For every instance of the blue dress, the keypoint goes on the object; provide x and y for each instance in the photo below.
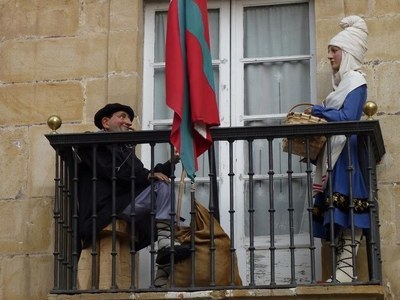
(350, 111)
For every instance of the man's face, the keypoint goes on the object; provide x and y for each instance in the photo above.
(119, 121)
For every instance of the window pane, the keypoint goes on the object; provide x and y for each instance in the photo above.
(277, 30)
(161, 111)
(160, 36)
(261, 158)
(216, 81)
(261, 166)
(213, 20)
(281, 205)
(275, 87)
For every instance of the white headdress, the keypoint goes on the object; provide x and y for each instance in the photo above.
(353, 41)
(353, 38)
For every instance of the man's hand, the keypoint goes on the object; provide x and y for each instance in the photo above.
(159, 176)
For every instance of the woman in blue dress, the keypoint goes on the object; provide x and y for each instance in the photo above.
(345, 103)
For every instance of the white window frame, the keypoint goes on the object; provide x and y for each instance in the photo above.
(231, 93)
(237, 55)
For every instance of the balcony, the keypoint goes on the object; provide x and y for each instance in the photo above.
(273, 263)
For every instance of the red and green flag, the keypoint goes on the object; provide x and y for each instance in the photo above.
(190, 85)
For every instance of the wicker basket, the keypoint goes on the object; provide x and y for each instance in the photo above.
(299, 146)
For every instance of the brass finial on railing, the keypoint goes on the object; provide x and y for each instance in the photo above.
(54, 122)
(370, 108)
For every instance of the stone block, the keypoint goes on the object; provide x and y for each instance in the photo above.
(387, 7)
(121, 88)
(388, 168)
(96, 97)
(37, 18)
(396, 193)
(37, 219)
(23, 104)
(53, 59)
(370, 72)
(127, 90)
(116, 15)
(26, 277)
(13, 68)
(389, 209)
(74, 128)
(42, 162)
(383, 35)
(126, 15)
(387, 93)
(325, 30)
(388, 193)
(26, 226)
(359, 7)
(12, 229)
(329, 9)
(95, 16)
(391, 266)
(14, 147)
(123, 52)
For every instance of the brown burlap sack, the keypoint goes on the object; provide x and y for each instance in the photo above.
(202, 254)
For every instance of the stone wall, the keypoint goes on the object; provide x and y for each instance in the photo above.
(71, 57)
(56, 57)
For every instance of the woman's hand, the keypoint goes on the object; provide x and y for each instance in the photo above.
(308, 111)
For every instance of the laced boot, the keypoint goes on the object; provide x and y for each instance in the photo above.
(164, 245)
(162, 276)
(344, 256)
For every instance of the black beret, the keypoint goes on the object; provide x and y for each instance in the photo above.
(109, 110)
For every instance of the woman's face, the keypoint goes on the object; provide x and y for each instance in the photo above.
(335, 57)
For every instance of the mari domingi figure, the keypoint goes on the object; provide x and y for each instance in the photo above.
(346, 52)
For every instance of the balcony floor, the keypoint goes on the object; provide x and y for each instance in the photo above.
(320, 292)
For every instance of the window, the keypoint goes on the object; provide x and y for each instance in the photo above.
(264, 64)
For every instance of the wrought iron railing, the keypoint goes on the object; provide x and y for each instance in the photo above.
(67, 246)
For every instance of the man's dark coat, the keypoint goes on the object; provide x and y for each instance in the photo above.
(125, 159)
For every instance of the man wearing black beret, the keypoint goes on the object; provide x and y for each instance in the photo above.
(116, 117)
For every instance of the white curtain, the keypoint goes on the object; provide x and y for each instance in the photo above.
(273, 31)
(271, 88)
